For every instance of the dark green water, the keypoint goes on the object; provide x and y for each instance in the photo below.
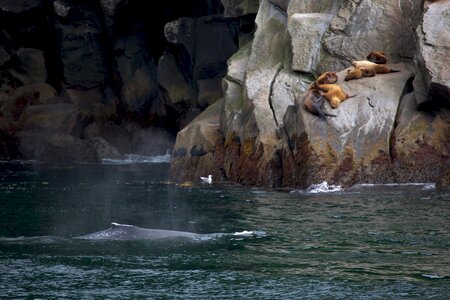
(364, 243)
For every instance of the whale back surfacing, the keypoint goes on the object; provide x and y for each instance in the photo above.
(131, 232)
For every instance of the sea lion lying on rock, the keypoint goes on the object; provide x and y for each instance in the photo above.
(373, 67)
(314, 102)
(377, 57)
(333, 93)
(358, 73)
(327, 77)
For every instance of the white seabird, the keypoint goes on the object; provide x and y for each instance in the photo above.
(207, 179)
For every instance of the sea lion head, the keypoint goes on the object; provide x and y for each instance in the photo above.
(334, 102)
(327, 78)
(355, 73)
(317, 96)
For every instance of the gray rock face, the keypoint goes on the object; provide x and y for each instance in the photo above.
(319, 6)
(433, 51)
(364, 26)
(306, 31)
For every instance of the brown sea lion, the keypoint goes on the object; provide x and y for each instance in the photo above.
(358, 73)
(333, 93)
(327, 77)
(355, 73)
(379, 69)
(314, 102)
(377, 57)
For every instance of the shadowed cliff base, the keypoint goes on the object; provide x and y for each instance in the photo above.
(129, 73)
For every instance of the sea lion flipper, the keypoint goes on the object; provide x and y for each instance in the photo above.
(393, 71)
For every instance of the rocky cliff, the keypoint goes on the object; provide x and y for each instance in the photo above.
(395, 129)
(84, 80)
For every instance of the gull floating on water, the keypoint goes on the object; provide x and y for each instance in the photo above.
(207, 179)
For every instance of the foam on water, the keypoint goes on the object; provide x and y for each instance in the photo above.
(138, 159)
(323, 187)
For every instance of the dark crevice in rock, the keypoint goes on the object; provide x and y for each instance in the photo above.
(272, 82)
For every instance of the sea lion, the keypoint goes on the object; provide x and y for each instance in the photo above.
(314, 102)
(327, 77)
(377, 57)
(355, 73)
(369, 72)
(359, 72)
(378, 69)
(333, 93)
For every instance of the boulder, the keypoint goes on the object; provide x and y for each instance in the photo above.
(432, 56)
(55, 147)
(199, 147)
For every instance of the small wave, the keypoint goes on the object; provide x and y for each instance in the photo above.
(423, 185)
(323, 187)
(139, 159)
(432, 276)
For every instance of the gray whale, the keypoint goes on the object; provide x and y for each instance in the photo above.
(131, 232)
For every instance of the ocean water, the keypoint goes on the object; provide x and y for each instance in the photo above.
(366, 242)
